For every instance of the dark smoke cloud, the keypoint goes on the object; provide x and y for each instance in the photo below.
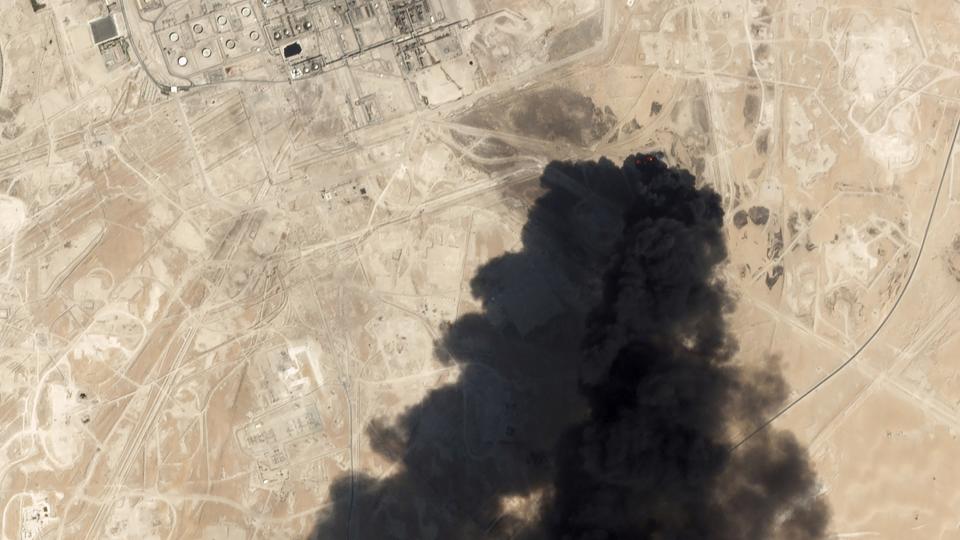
(598, 388)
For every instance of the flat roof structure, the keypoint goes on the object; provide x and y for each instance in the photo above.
(104, 29)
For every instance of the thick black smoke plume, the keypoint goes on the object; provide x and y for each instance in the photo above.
(598, 394)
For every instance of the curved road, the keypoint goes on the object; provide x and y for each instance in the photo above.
(869, 340)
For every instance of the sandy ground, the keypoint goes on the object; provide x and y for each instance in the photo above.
(215, 277)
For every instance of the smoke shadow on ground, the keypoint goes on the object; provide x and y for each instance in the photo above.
(598, 388)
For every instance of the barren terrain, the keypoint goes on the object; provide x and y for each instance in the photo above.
(223, 261)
